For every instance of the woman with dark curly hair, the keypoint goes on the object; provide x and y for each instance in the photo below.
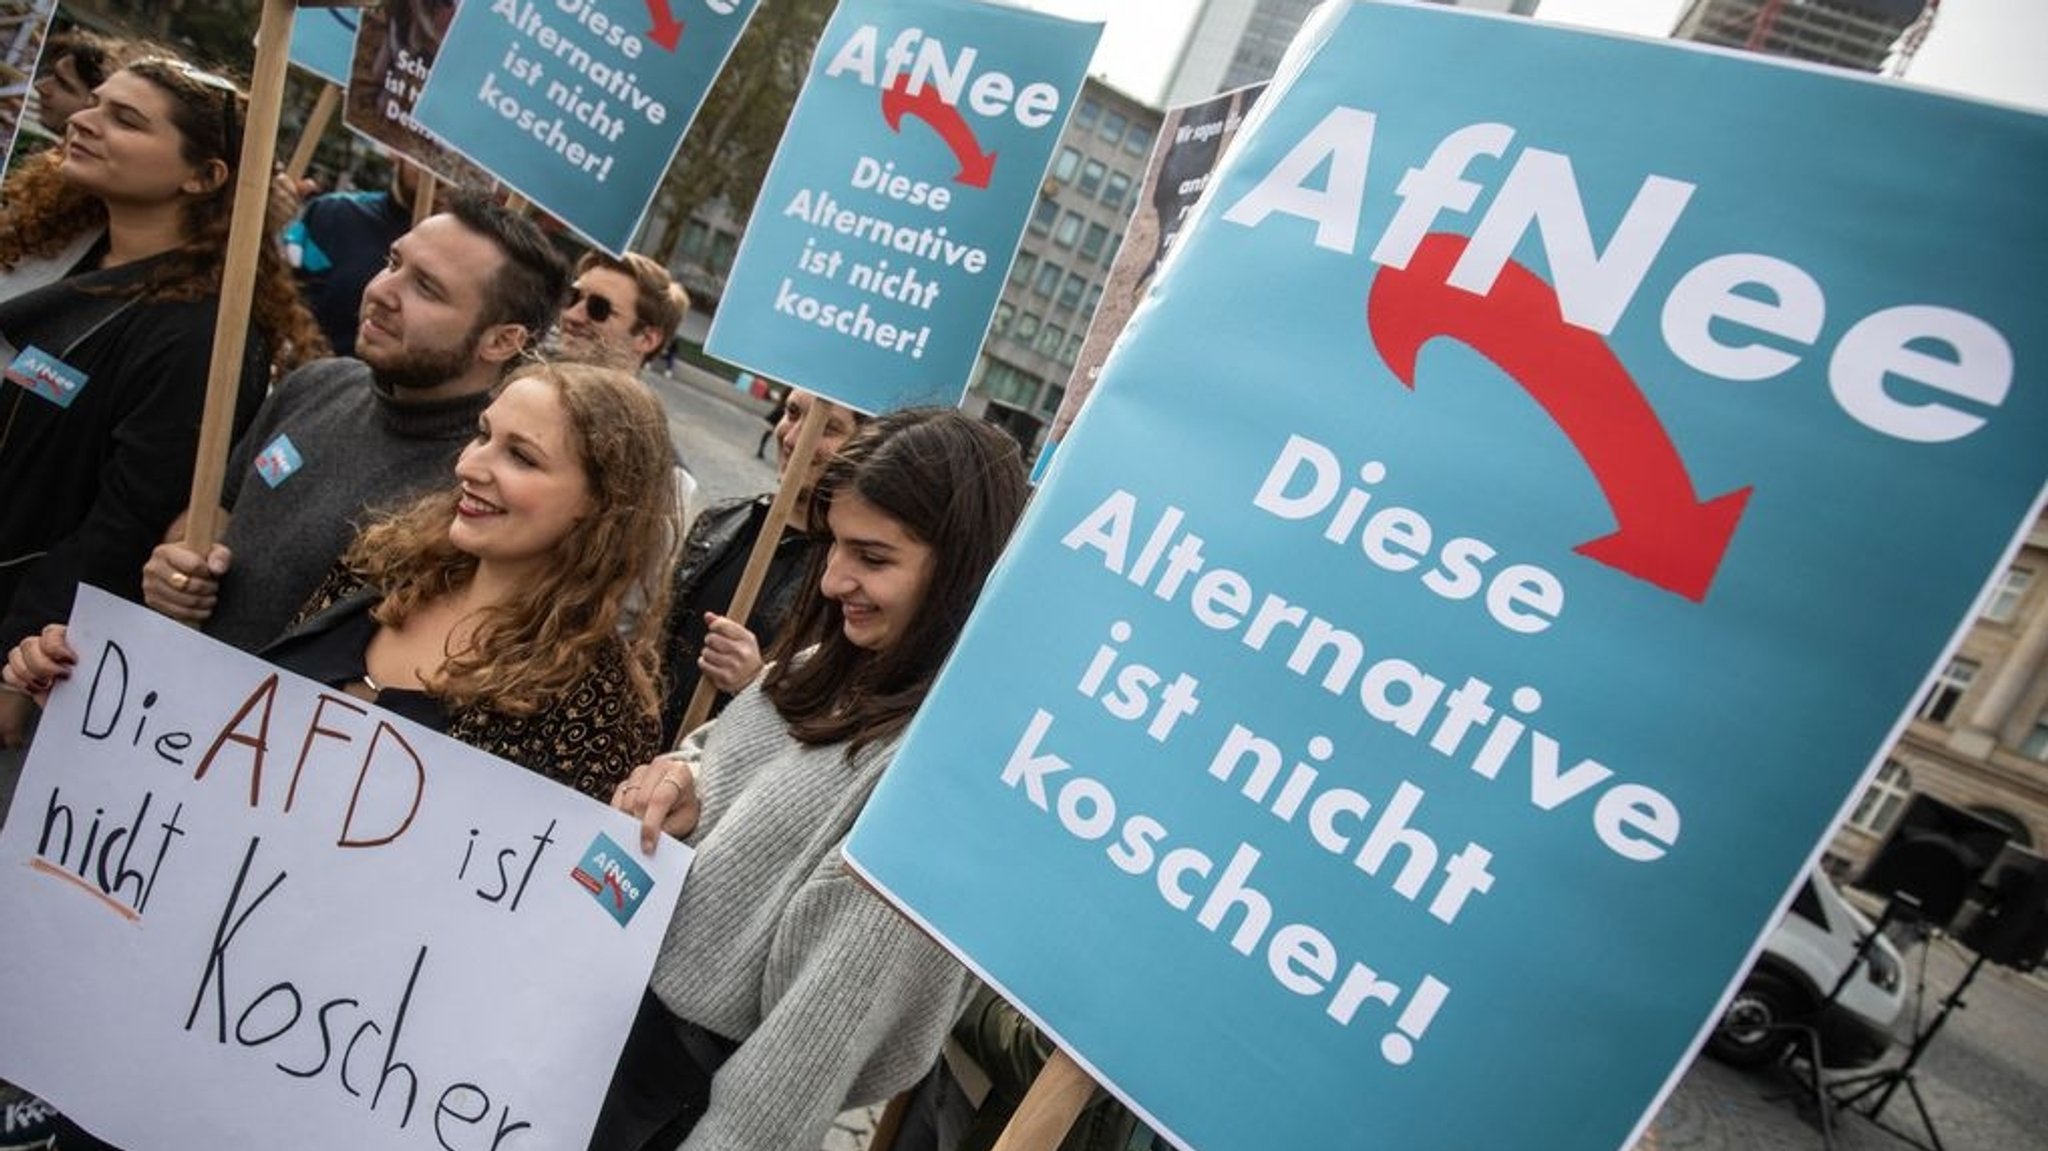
(111, 251)
(491, 610)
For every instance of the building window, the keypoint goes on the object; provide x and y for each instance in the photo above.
(1091, 178)
(1044, 214)
(1068, 231)
(1005, 316)
(1066, 165)
(1116, 189)
(1138, 140)
(1071, 289)
(1020, 272)
(2005, 598)
(1093, 298)
(1027, 327)
(1085, 115)
(1006, 384)
(1115, 242)
(1049, 339)
(1112, 128)
(1948, 690)
(1071, 351)
(2035, 745)
(1093, 240)
(696, 240)
(1882, 800)
(1048, 279)
(1054, 393)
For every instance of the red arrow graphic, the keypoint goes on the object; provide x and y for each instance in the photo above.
(1666, 535)
(976, 167)
(667, 30)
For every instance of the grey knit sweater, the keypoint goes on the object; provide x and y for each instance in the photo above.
(362, 449)
(836, 999)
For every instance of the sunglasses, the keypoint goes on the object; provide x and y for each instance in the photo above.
(597, 307)
(230, 148)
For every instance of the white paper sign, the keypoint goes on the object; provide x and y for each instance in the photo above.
(244, 910)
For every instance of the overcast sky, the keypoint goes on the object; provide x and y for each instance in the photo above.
(1988, 48)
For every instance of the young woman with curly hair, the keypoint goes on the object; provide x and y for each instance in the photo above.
(111, 250)
(491, 610)
(786, 990)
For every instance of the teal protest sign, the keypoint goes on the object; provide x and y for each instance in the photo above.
(579, 105)
(882, 234)
(1513, 523)
(324, 41)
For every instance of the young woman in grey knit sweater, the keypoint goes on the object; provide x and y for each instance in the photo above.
(785, 990)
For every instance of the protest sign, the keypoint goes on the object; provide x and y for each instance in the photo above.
(26, 23)
(579, 107)
(396, 45)
(1371, 739)
(242, 909)
(882, 233)
(324, 42)
(1192, 139)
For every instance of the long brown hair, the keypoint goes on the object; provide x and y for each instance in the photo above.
(527, 653)
(955, 484)
(43, 212)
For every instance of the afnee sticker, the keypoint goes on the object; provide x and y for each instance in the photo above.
(278, 460)
(46, 376)
(612, 878)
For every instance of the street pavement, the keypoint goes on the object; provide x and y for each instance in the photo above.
(716, 428)
(1983, 1077)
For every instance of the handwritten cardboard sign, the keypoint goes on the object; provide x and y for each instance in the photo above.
(244, 908)
(1520, 515)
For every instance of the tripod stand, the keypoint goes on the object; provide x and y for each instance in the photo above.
(1887, 1082)
(1902, 908)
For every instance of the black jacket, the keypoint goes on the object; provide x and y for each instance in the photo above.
(87, 490)
(722, 537)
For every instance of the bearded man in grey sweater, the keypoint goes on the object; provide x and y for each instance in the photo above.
(461, 297)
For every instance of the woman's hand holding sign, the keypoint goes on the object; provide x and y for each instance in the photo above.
(663, 794)
(38, 662)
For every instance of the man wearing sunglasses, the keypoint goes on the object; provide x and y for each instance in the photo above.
(622, 312)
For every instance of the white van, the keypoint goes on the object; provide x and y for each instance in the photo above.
(1801, 962)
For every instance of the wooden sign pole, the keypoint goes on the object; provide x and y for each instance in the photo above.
(1049, 1109)
(316, 126)
(423, 197)
(238, 277)
(794, 478)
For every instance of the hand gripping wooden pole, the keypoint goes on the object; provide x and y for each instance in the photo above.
(794, 477)
(238, 277)
(1049, 1109)
(316, 126)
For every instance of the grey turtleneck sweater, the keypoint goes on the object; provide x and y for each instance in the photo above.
(361, 450)
(836, 999)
